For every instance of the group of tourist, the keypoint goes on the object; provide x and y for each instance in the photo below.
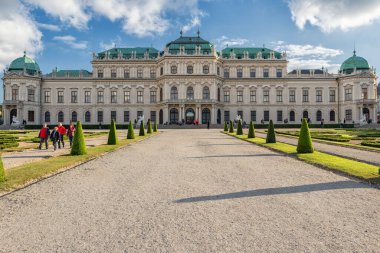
(56, 136)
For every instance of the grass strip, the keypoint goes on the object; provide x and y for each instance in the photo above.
(28, 173)
(367, 172)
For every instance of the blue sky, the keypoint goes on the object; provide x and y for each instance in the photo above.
(64, 34)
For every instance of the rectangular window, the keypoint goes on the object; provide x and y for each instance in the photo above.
(218, 71)
(319, 95)
(113, 73)
(100, 116)
(74, 96)
(113, 115)
(240, 96)
(14, 94)
(253, 115)
(161, 71)
(153, 116)
(226, 115)
(279, 96)
(279, 73)
(266, 115)
(332, 95)
(153, 96)
(266, 73)
(140, 96)
(266, 96)
(279, 116)
(348, 114)
(31, 116)
(226, 73)
(348, 94)
(100, 73)
(31, 95)
(60, 96)
(87, 96)
(252, 73)
(47, 96)
(364, 93)
(113, 97)
(152, 73)
(139, 73)
(292, 96)
(239, 73)
(127, 96)
(226, 96)
(252, 96)
(100, 96)
(126, 73)
(126, 116)
(305, 96)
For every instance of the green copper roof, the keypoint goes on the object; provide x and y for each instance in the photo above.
(252, 52)
(189, 44)
(70, 73)
(30, 66)
(127, 52)
(354, 62)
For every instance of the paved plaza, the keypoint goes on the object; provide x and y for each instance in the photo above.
(192, 191)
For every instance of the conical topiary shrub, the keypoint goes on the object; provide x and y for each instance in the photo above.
(231, 127)
(142, 129)
(112, 135)
(239, 130)
(155, 127)
(305, 145)
(2, 172)
(79, 146)
(251, 131)
(131, 131)
(149, 131)
(225, 126)
(271, 135)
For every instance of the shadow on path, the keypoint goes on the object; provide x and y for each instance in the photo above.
(221, 144)
(226, 156)
(277, 191)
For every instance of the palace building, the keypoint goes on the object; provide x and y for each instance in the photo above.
(189, 80)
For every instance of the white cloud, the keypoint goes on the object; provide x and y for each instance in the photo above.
(71, 41)
(49, 27)
(18, 32)
(224, 41)
(331, 15)
(108, 45)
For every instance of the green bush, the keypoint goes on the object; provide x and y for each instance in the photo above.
(371, 144)
(79, 146)
(9, 145)
(2, 171)
(239, 130)
(271, 135)
(305, 144)
(131, 131)
(36, 140)
(149, 131)
(142, 129)
(112, 135)
(251, 131)
(155, 127)
(225, 126)
(231, 127)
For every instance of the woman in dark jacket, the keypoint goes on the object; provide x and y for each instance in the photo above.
(55, 137)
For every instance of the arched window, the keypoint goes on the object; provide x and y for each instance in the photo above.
(174, 115)
(60, 117)
(332, 115)
(319, 115)
(173, 69)
(190, 93)
(87, 117)
(206, 93)
(174, 93)
(305, 114)
(190, 69)
(47, 116)
(206, 69)
(74, 116)
(292, 116)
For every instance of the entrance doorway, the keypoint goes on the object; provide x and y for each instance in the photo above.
(219, 117)
(190, 116)
(206, 115)
(366, 113)
(161, 117)
(13, 113)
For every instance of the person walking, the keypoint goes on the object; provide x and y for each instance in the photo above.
(44, 136)
(208, 124)
(70, 133)
(62, 133)
(55, 137)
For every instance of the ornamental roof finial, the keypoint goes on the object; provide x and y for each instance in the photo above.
(198, 32)
(354, 49)
(181, 32)
(24, 53)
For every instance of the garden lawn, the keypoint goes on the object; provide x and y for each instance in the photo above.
(357, 169)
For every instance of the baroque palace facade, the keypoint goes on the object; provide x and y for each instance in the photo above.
(189, 80)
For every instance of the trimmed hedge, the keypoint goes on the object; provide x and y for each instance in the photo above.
(231, 127)
(2, 171)
(79, 146)
(155, 128)
(112, 135)
(225, 129)
(371, 144)
(149, 131)
(142, 129)
(251, 131)
(239, 130)
(305, 144)
(131, 131)
(271, 135)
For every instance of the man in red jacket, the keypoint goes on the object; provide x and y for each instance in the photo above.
(62, 133)
(44, 136)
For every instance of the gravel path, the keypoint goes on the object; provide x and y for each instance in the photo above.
(192, 191)
(367, 156)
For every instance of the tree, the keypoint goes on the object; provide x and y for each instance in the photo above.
(131, 131)
(305, 144)
(2, 171)
(251, 131)
(239, 130)
(112, 135)
(142, 129)
(225, 126)
(231, 127)
(79, 146)
(155, 127)
(271, 135)
(149, 127)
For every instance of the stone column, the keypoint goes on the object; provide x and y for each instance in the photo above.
(213, 114)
